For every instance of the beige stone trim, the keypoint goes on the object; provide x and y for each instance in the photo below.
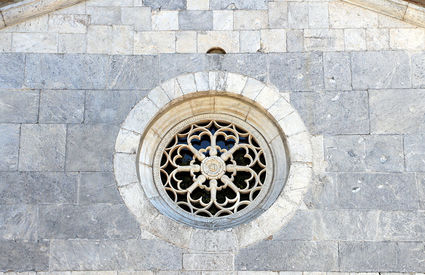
(24, 10)
(401, 10)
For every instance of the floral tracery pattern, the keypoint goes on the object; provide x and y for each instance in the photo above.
(213, 168)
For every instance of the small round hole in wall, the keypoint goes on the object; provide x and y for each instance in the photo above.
(216, 50)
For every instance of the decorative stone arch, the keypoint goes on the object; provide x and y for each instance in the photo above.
(135, 184)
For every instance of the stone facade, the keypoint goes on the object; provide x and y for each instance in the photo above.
(68, 79)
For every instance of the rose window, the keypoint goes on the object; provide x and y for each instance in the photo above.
(213, 168)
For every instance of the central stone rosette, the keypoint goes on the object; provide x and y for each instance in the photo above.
(212, 168)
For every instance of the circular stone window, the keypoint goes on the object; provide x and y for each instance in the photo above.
(213, 150)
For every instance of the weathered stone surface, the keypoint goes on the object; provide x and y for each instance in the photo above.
(110, 106)
(250, 41)
(397, 111)
(296, 71)
(253, 65)
(333, 112)
(355, 39)
(322, 193)
(196, 20)
(140, 17)
(238, 4)
(377, 191)
(42, 147)
(384, 153)
(402, 225)
(420, 180)
(18, 222)
(418, 70)
(96, 221)
(104, 15)
(300, 227)
(154, 42)
(114, 255)
(165, 20)
(250, 19)
(380, 70)
(71, 71)
(411, 256)
(133, 72)
(289, 255)
(295, 40)
(12, 70)
(172, 65)
(343, 15)
(9, 144)
(18, 106)
(61, 106)
(414, 147)
(210, 261)
(97, 187)
(69, 23)
(166, 4)
(273, 41)
(35, 42)
(278, 15)
(368, 256)
(337, 70)
(186, 42)
(95, 143)
(227, 40)
(377, 39)
(298, 15)
(222, 20)
(71, 43)
(38, 188)
(407, 39)
(324, 39)
(318, 16)
(24, 256)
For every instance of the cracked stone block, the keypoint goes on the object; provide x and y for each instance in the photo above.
(397, 111)
(377, 191)
(296, 71)
(42, 147)
(18, 106)
(61, 106)
(24, 256)
(95, 143)
(96, 221)
(380, 70)
(38, 187)
(9, 144)
(12, 70)
(333, 112)
(18, 222)
(98, 187)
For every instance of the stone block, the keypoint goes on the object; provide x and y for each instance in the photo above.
(18, 106)
(296, 71)
(186, 42)
(227, 40)
(42, 147)
(324, 39)
(285, 255)
(38, 188)
(18, 222)
(72, 71)
(384, 153)
(23, 256)
(250, 19)
(333, 112)
(420, 181)
(166, 4)
(35, 42)
(322, 193)
(122, 39)
(140, 116)
(273, 41)
(198, 4)
(402, 225)
(172, 65)
(301, 227)
(139, 17)
(298, 15)
(377, 191)
(377, 39)
(110, 106)
(337, 70)
(253, 65)
(9, 142)
(99, 39)
(418, 70)
(133, 72)
(222, 20)
(355, 39)
(58, 106)
(95, 143)
(104, 15)
(164, 20)
(196, 20)
(380, 70)
(98, 187)
(114, 255)
(414, 152)
(345, 153)
(343, 15)
(96, 221)
(397, 111)
(411, 256)
(68, 23)
(5, 42)
(238, 4)
(12, 70)
(295, 40)
(278, 15)
(250, 41)
(71, 43)
(368, 256)
(210, 261)
(154, 42)
(318, 16)
(109, 3)
(407, 39)
(38, 24)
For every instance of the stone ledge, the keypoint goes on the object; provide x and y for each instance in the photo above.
(401, 10)
(27, 9)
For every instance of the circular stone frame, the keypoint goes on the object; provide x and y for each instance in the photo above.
(132, 174)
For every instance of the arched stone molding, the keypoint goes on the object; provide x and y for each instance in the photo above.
(275, 105)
